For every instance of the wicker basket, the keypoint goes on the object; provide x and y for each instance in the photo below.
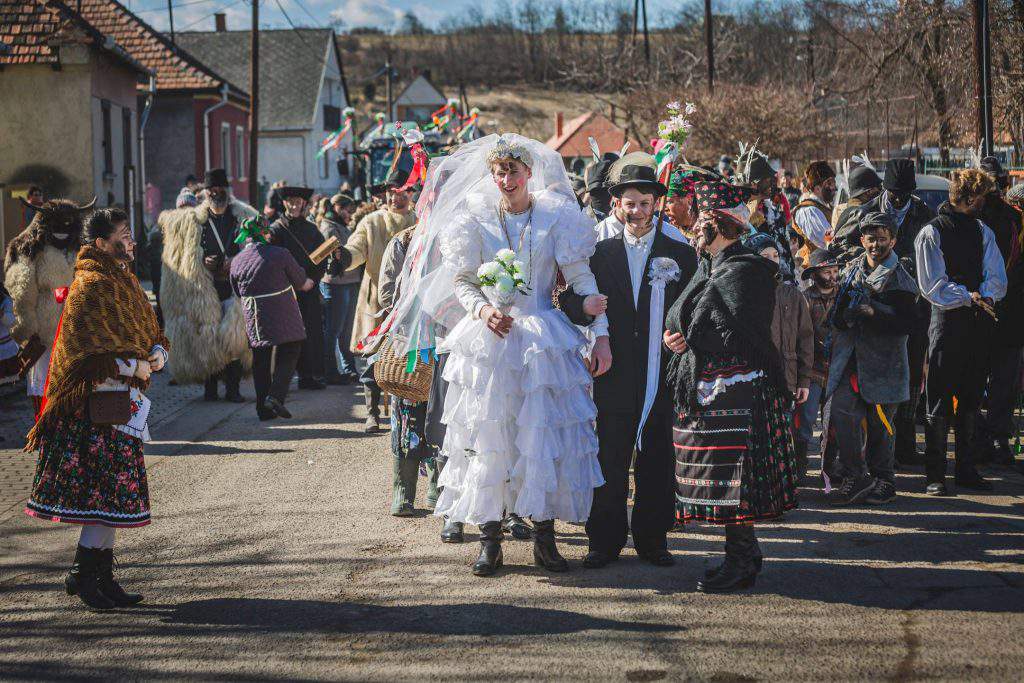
(389, 372)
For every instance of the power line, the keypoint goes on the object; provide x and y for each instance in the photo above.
(309, 14)
(216, 11)
(183, 4)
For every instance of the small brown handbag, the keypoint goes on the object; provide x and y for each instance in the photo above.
(110, 407)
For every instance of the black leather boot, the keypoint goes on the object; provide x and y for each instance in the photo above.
(451, 532)
(82, 580)
(490, 558)
(964, 473)
(739, 570)
(210, 389)
(517, 526)
(232, 380)
(109, 587)
(545, 552)
(936, 435)
(264, 413)
(757, 558)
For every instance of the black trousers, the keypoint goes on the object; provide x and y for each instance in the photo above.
(311, 359)
(905, 426)
(957, 361)
(1003, 386)
(274, 381)
(654, 475)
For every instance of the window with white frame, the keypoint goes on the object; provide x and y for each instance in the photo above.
(225, 150)
(240, 156)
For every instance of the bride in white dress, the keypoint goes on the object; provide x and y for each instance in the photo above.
(519, 416)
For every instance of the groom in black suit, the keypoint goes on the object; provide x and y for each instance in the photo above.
(625, 266)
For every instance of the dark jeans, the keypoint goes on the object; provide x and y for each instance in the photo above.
(857, 456)
(274, 381)
(339, 314)
(311, 358)
(654, 474)
(906, 415)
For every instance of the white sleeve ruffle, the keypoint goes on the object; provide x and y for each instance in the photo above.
(575, 238)
(462, 246)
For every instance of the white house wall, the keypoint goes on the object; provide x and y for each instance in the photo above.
(285, 157)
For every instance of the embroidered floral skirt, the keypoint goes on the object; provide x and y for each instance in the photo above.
(735, 460)
(88, 474)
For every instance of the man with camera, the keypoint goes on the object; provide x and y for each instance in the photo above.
(869, 371)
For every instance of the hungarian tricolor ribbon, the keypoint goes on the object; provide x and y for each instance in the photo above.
(413, 138)
(334, 139)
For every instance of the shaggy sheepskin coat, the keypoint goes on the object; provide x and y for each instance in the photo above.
(206, 335)
(31, 284)
(366, 246)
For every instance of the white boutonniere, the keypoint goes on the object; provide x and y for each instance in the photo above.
(664, 270)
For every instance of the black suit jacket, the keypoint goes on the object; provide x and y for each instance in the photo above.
(621, 389)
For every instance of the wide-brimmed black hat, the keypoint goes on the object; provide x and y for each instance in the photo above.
(216, 177)
(760, 169)
(819, 259)
(900, 176)
(287, 191)
(596, 175)
(862, 179)
(641, 177)
(398, 178)
(993, 167)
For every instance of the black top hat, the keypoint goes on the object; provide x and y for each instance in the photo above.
(820, 258)
(216, 177)
(862, 179)
(643, 178)
(760, 169)
(992, 166)
(900, 175)
(287, 191)
(596, 174)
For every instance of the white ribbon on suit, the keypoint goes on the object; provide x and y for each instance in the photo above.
(663, 270)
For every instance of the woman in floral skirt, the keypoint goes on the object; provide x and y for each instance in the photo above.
(93, 421)
(735, 460)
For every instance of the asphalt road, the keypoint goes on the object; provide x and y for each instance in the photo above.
(272, 556)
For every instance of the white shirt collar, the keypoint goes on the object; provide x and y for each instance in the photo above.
(638, 242)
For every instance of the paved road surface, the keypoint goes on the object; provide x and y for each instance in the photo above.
(272, 556)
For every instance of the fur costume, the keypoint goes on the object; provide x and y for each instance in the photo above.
(205, 336)
(106, 316)
(38, 261)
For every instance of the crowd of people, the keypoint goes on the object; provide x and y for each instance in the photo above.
(697, 329)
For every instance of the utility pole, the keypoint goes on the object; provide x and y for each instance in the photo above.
(647, 38)
(254, 103)
(983, 80)
(387, 84)
(170, 17)
(709, 40)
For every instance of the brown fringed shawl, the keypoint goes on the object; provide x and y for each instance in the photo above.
(106, 316)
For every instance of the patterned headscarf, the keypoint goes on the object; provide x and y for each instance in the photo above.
(719, 197)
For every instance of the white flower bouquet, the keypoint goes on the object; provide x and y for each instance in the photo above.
(676, 128)
(506, 275)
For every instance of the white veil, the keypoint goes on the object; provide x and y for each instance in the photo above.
(428, 308)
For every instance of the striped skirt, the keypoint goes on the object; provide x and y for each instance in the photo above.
(735, 460)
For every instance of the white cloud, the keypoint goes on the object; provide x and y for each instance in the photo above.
(367, 13)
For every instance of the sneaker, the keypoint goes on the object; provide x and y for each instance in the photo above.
(853, 490)
(883, 492)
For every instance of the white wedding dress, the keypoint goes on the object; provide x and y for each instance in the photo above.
(519, 414)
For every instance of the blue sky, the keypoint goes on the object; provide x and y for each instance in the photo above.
(198, 14)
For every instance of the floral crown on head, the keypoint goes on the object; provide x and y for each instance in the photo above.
(503, 150)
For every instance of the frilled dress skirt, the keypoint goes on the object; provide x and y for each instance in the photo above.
(90, 474)
(735, 460)
(520, 422)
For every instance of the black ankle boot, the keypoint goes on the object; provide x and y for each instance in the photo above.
(545, 552)
(232, 380)
(451, 532)
(109, 587)
(964, 473)
(801, 461)
(210, 389)
(490, 558)
(740, 568)
(517, 526)
(82, 580)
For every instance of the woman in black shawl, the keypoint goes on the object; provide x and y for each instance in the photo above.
(734, 450)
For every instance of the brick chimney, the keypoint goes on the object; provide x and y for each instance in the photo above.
(220, 21)
(559, 124)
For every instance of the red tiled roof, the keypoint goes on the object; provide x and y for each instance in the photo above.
(573, 140)
(28, 29)
(175, 68)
